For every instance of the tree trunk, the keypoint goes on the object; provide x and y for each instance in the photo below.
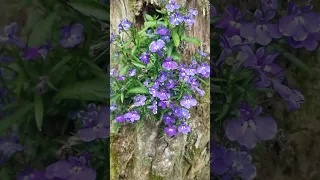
(144, 154)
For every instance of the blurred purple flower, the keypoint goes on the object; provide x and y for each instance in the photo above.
(71, 169)
(169, 64)
(139, 100)
(8, 36)
(156, 46)
(172, 6)
(163, 95)
(120, 119)
(124, 25)
(112, 37)
(95, 125)
(204, 70)
(230, 164)
(193, 12)
(213, 11)
(251, 127)
(176, 19)
(132, 116)
(269, 5)
(144, 57)
(161, 30)
(154, 107)
(188, 19)
(170, 131)
(183, 128)
(261, 31)
(71, 36)
(113, 107)
(163, 75)
(188, 101)
(231, 21)
(132, 72)
(9, 145)
(293, 97)
(201, 53)
(168, 119)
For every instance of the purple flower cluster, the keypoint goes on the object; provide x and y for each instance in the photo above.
(170, 87)
(300, 26)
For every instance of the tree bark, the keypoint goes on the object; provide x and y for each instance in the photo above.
(144, 154)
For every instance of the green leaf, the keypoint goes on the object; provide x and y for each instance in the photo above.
(161, 11)
(153, 23)
(38, 107)
(140, 65)
(95, 69)
(176, 56)
(91, 90)
(192, 40)
(20, 81)
(296, 61)
(42, 31)
(122, 97)
(138, 90)
(114, 99)
(18, 115)
(124, 70)
(170, 49)
(149, 18)
(175, 37)
(91, 8)
(33, 18)
(61, 63)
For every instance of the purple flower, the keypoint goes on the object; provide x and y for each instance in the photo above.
(176, 19)
(299, 25)
(162, 76)
(251, 127)
(161, 30)
(71, 169)
(30, 174)
(163, 95)
(154, 107)
(168, 119)
(269, 5)
(166, 38)
(188, 102)
(30, 53)
(132, 116)
(113, 107)
(169, 64)
(71, 36)
(200, 91)
(261, 31)
(124, 25)
(293, 97)
(44, 50)
(230, 163)
(204, 70)
(183, 128)
(170, 131)
(170, 84)
(193, 12)
(201, 53)
(156, 46)
(188, 19)
(172, 6)
(120, 119)
(213, 11)
(9, 145)
(181, 112)
(132, 72)
(263, 64)
(139, 100)
(95, 125)
(231, 21)
(8, 36)
(146, 82)
(121, 78)
(144, 57)
(112, 37)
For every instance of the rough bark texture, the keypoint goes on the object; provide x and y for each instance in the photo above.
(144, 154)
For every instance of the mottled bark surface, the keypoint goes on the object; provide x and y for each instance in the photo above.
(145, 154)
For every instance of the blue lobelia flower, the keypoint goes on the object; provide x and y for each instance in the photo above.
(168, 119)
(187, 101)
(293, 97)
(154, 107)
(112, 38)
(172, 6)
(8, 36)
(71, 169)
(161, 30)
(193, 12)
(124, 25)
(157, 46)
(71, 36)
(169, 64)
(9, 145)
(204, 70)
(183, 128)
(176, 19)
(139, 100)
(230, 163)
(250, 127)
(144, 57)
(132, 116)
(269, 5)
(189, 20)
(231, 22)
(261, 31)
(170, 131)
(95, 124)
(120, 119)
(132, 72)
(301, 26)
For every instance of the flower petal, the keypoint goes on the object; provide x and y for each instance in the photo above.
(266, 128)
